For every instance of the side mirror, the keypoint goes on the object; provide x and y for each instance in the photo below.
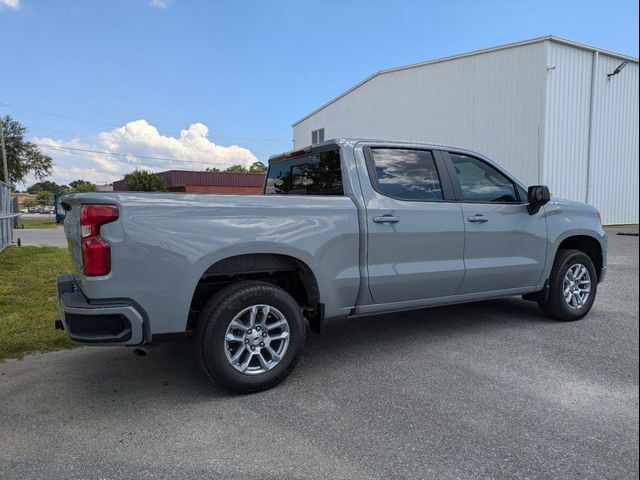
(538, 195)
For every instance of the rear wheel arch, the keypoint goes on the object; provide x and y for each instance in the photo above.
(288, 272)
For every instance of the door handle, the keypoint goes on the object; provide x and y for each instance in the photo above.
(386, 219)
(477, 218)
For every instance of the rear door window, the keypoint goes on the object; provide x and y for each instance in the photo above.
(406, 174)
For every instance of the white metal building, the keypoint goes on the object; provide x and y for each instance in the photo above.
(550, 110)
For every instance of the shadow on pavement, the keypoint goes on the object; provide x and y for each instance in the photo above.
(172, 369)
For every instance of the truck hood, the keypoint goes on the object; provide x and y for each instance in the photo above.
(577, 214)
(571, 205)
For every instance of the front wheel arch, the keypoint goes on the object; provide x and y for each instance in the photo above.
(553, 302)
(588, 245)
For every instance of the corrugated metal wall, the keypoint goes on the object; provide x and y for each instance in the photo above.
(175, 178)
(182, 178)
(528, 107)
(591, 144)
(614, 166)
(566, 145)
(491, 102)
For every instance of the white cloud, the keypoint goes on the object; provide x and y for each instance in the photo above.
(15, 4)
(191, 150)
(157, 3)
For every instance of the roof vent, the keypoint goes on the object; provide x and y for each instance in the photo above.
(317, 136)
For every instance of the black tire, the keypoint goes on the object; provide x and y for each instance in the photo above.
(555, 305)
(216, 317)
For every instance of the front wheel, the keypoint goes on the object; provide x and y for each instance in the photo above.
(250, 336)
(572, 286)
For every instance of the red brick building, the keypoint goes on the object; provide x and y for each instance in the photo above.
(206, 182)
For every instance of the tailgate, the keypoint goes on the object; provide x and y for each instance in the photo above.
(72, 228)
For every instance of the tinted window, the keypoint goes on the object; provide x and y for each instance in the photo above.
(481, 182)
(406, 174)
(314, 174)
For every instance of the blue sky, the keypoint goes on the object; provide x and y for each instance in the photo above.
(245, 69)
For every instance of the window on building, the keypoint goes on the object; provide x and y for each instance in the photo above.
(406, 174)
(317, 136)
(313, 174)
(481, 182)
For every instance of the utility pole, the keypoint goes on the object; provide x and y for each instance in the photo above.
(5, 167)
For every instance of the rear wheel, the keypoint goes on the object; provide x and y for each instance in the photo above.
(250, 336)
(572, 286)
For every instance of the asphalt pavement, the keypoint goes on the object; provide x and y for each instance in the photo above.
(38, 216)
(484, 390)
(52, 237)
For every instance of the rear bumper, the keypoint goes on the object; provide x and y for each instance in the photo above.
(115, 322)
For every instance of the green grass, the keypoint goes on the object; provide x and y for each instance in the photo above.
(38, 223)
(28, 300)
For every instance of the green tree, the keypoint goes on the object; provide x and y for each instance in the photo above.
(22, 157)
(258, 167)
(145, 181)
(236, 169)
(44, 198)
(47, 186)
(82, 186)
(212, 169)
(30, 202)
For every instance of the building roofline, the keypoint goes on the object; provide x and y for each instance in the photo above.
(204, 171)
(522, 43)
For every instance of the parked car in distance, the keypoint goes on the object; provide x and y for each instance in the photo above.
(345, 228)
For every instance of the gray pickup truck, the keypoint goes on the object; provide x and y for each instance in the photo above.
(344, 228)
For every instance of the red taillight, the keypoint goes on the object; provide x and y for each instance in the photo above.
(96, 254)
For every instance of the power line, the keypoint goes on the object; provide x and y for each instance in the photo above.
(40, 129)
(69, 117)
(98, 122)
(120, 154)
(198, 150)
(191, 149)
